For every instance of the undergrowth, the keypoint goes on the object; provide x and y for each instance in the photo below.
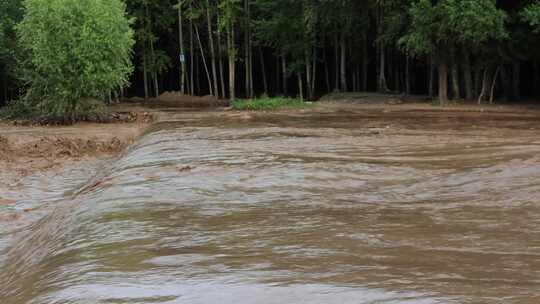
(267, 103)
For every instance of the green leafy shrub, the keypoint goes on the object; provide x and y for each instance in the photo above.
(74, 51)
(266, 103)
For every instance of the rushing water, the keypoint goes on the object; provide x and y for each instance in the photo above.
(312, 208)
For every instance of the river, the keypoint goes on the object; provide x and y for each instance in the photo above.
(332, 207)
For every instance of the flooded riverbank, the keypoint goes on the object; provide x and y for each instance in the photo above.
(340, 206)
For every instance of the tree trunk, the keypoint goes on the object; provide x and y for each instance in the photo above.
(145, 73)
(247, 40)
(431, 77)
(300, 86)
(485, 84)
(506, 83)
(154, 73)
(396, 76)
(467, 75)
(516, 73)
(381, 81)
(494, 82)
(456, 94)
(220, 56)
(284, 71)
(209, 78)
(536, 78)
(231, 54)
(326, 70)
(478, 72)
(407, 75)
(263, 71)
(443, 84)
(382, 85)
(365, 64)
(5, 87)
(314, 75)
(336, 53)
(182, 51)
(307, 59)
(343, 68)
(455, 82)
(212, 50)
(353, 76)
(192, 56)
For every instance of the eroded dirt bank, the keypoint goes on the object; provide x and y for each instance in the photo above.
(39, 163)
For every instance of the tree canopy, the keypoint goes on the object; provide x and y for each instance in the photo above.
(481, 49)
(74, 49)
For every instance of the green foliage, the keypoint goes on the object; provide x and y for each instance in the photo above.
(450, 23)
(531, 15)
(265, 103)
(74, 50)
(10, 14)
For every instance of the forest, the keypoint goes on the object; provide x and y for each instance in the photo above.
(476, 50)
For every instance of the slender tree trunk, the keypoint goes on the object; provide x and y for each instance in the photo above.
(455, 75)
(365, 63)
(407, 75)
(485, 84)
(212, 50)
(343, 67)
(307, 59)
(314, 77)
(493, 83)
(478, 72)
(336, 53)
(209, 78)
(145, 73)
(431, 77)
(263, 71)
(354, 88)
(220, 56)
(182, 51)
(516, 69)
(232, 60)
(300, 86)
(506, 83)
(536, 78)
(197, 75)
(154, 73)
(326, 70)
(381, 82)
(443, 83)
(5, 87)
(192, 55)
(284, 71)
(246, 50)
(467, 74)
(382, 85)
(396, 75)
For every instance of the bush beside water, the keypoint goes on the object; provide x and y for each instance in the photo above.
(267, 104)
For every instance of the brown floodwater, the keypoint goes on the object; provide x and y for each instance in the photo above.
(340, 207)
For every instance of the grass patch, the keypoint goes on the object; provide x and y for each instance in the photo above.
(267, 104)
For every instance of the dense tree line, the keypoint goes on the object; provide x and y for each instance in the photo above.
(462, 49)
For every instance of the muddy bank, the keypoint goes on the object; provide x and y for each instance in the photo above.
(178, 100)
(39, 163)
(26, 149)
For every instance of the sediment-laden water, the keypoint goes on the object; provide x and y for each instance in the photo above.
(312, 208)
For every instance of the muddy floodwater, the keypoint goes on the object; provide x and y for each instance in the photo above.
(316, 207)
